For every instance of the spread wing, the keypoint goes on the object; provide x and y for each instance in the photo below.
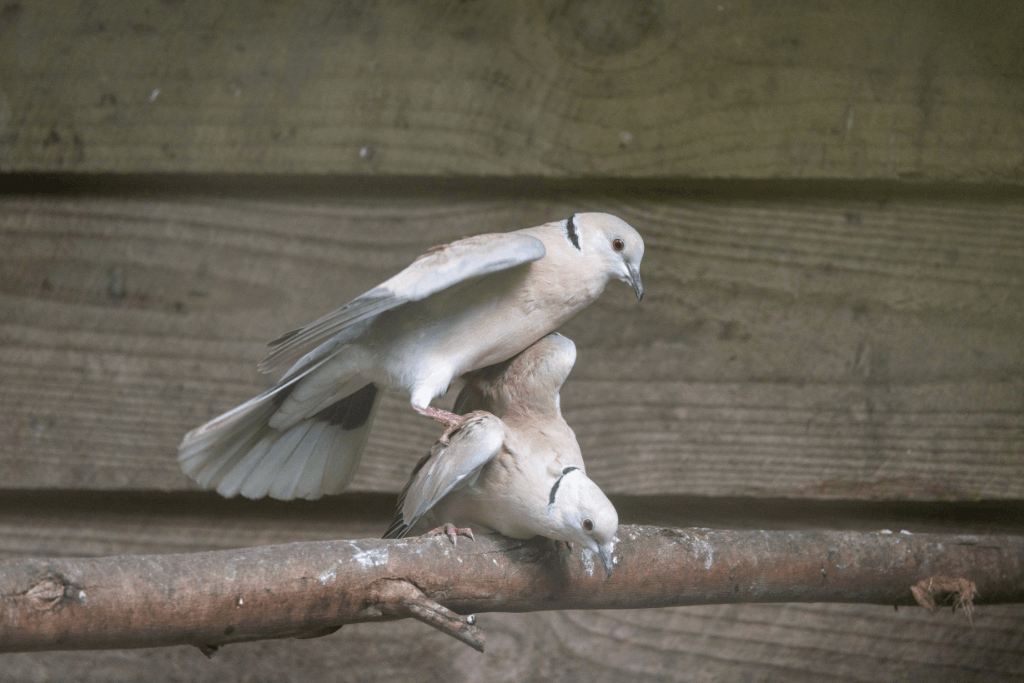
(438, 269)
(448, 467)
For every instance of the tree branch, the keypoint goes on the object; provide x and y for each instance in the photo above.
(310, 589)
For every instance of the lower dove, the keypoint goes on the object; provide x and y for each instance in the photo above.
(513, 466)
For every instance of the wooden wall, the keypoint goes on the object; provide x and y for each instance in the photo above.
(832, 336)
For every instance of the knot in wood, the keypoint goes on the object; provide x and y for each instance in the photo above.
(47, 593)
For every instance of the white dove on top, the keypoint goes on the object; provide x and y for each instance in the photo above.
(459, 307)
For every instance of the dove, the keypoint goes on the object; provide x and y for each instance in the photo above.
(513, 466)
(458, 308)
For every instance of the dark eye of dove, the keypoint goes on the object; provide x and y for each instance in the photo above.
(618, 245)
(588, 525)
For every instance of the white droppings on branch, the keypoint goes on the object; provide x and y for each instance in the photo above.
(371, 558)
(703, 548)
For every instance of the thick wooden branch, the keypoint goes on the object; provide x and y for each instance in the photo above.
(310, 589)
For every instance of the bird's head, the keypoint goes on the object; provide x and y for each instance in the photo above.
(583, 515)
(615, 242)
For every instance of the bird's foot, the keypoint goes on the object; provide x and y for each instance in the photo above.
(451, 421)
(449, 429)
(452, 532)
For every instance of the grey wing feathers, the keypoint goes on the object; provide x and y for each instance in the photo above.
(220, 429)
(239, 453)
(446, 468)
(436, 270)
(399, 528)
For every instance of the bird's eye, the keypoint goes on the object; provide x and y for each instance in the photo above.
(618, 245)
(588, 525)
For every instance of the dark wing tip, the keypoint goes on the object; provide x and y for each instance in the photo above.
(398, 528)
(351, 412)
(283, 338)
(361, 408)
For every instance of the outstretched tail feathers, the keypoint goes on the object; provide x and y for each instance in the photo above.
(239, 453)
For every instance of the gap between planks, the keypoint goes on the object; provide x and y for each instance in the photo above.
(67, 523)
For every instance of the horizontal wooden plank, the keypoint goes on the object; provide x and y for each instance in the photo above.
(734, 642)
(847, 349)
(65, 524)
(739, 89)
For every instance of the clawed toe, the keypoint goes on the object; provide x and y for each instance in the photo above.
(451, 421)
(452, 532)
(450, 428)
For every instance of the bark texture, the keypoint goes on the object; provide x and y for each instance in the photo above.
(307, 589)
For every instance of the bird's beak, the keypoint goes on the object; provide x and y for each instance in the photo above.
(604, 552)
(634, 281)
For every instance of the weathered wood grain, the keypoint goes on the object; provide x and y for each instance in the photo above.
(860, 89)
(95, 524)
(70, 524)
(759, 643)
(793, 348)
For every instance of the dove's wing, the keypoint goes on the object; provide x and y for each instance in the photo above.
(438, 269)
(447, 468)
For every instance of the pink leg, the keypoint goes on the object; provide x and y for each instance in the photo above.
(452, 532)
(451, 421)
